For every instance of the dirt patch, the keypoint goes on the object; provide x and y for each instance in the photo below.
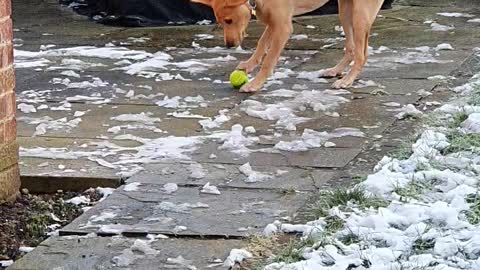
(31, 219)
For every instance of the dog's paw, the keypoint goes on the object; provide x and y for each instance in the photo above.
(343, 83)
(250, 88)
(330, 73)
(247, 66)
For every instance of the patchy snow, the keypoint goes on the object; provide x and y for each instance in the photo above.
(444, 47)
(26, 108)
(132, 186)
(144, 118)
(236, 256)
(253, 176)
(138, 250)
(284, 112)
(236, 142)
(197, 171)
(429, 229)
(315, 139)
(455, 14)
(472, 124)
(170, 188)
(179, 208)
(408, 110)
(440, 27)
(210, 189)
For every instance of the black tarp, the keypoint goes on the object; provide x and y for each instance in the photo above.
(158, 12)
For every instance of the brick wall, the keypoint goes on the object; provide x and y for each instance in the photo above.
(9, 173)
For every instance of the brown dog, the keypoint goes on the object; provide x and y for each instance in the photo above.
(356, 17)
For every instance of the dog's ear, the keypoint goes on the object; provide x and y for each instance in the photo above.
(235, 3)
(204, 2)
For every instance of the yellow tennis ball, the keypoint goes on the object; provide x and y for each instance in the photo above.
(238, 78)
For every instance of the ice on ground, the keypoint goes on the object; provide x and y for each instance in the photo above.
(456, 14)
(144, 118)
(79, 200)
(179, 208)
(315, 139)
(236, 142)
(313, 76)
(440, 27)
(170, 188)
(472, 124)
(216, 122)
(46, 123)
(138, 250)
(419, 55)
(429, 197)
(284, 112)
(236, 256)
(210, 189)
(197, 171)
(253, 176)
(299, 37)
(181, 263)
(132, 186)
(444, 47)
(408, 110)
(26, 108)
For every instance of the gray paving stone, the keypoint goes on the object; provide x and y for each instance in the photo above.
(98, 253)
(234, 213)
(229, 176)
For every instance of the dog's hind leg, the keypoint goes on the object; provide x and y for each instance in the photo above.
(364, 14)
(263, 45)
(345, 9)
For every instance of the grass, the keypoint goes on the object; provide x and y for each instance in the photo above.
(404, 150)
(463, 143)
(341, 197)
(349, 239)
(413, 190)
(293, 251)
(475, 98)
(333, 224)
(457, 119)
(473, 214)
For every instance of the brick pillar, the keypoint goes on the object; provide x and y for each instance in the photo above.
(9, 173)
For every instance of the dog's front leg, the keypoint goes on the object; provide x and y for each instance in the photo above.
(279, 37)
(262, 48)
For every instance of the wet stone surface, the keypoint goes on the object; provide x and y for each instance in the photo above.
(153, 106)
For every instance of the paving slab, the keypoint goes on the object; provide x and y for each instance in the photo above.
(94, 253)
(229, 176)
(149, 209)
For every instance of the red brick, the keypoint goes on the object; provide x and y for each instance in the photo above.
(3, 107)
(7, 80)
(2, 133)
(5, 8)
(10, 130)
(6, 55)
(10, 106)
(6, 31)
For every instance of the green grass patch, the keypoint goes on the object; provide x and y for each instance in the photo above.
(475, 97)
(341, 197)
(293, 251)
(404, 150)
(463, 143)
(457, 119)
(413, 190)
(333, 224)
(349, 239)
(473, 214)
